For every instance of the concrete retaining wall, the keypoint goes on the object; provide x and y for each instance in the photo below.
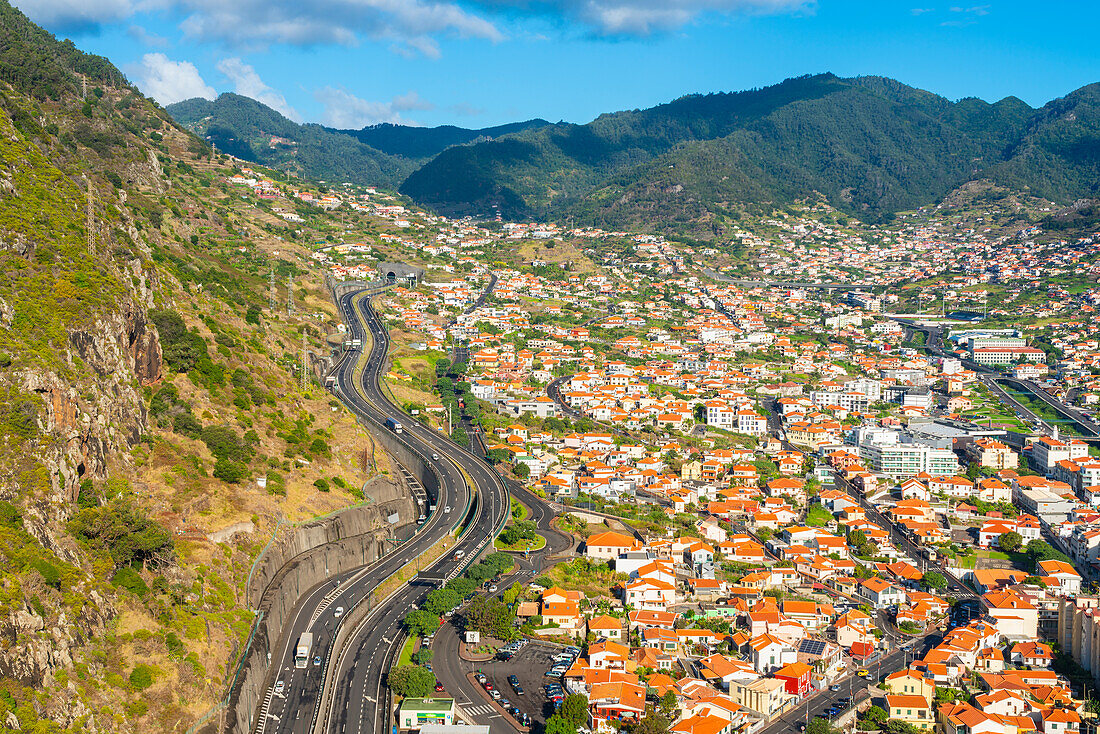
(310, 555)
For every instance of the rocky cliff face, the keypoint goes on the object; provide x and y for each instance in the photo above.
(41, 646)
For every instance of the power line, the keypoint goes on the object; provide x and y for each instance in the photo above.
(271, 295)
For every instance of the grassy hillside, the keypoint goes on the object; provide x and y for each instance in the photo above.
(144, 389)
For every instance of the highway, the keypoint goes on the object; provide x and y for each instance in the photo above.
(359, 693)
(357, 683)
(989, 376)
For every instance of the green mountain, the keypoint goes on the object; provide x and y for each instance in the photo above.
(869, 145)
(422, 143)
(382, 155)
(248, 129)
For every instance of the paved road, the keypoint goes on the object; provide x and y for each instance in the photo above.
(851, 685)
(359, 692)
(294, 709)
(451, 670)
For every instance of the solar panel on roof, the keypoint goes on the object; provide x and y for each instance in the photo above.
(812, 647)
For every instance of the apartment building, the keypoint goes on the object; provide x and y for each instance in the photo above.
(1049, 450)
(884, 453)
(991, 453)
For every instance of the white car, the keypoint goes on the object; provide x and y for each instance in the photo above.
(339, 612)
(446, 509)
(279, 687)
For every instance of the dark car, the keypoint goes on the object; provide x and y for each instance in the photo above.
(439, 687)
(518, 689)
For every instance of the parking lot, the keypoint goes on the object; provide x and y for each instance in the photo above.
(529, 665)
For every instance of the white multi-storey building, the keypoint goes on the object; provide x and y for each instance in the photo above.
(885, 453)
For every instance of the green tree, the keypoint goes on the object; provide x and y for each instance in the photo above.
(934, 581)
(876, 715)
(575, 709)
(141, 677)
(440, 601)
(490, 616)
(1010, 541)
(462, 586)
(669, 704)
(819, 725)
(856, 538)
(421, 622)
(411, 680)
(654, 722)
(558, 724)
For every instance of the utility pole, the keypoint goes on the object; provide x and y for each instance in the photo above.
(271, 296)
(290, 295)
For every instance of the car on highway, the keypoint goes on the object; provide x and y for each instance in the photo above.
(435, 457)
(339, 612)
(493, 589)
(279, 687)
(863, 672)
(446, 509)
(420, 520)
(316, 659)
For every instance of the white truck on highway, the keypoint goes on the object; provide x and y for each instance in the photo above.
(301, 653)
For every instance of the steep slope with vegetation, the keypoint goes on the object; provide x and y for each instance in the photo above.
(379, 155)
(144, 390)
(870, 146)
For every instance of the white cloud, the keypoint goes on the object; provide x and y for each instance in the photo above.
(169, 81)
(247, 82)
(410, 24)
(643, 17)
(346, 111)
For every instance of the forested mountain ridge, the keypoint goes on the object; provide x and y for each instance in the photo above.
(424, 142)
(870, 146)
(139, 369)
(379, 155)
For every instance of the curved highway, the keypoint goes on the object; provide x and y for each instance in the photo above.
(359, 696)
(291, 701)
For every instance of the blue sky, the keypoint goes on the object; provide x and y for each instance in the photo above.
(475, 63)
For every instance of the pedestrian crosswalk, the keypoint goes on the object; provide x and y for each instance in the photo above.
(480, 710)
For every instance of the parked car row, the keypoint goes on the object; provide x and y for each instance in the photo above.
(563, 661)
(508, 651)
(837, 708)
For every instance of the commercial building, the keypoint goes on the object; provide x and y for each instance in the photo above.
(887, 452)
(1007, 355)
(418, 712)
(1043, 503)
